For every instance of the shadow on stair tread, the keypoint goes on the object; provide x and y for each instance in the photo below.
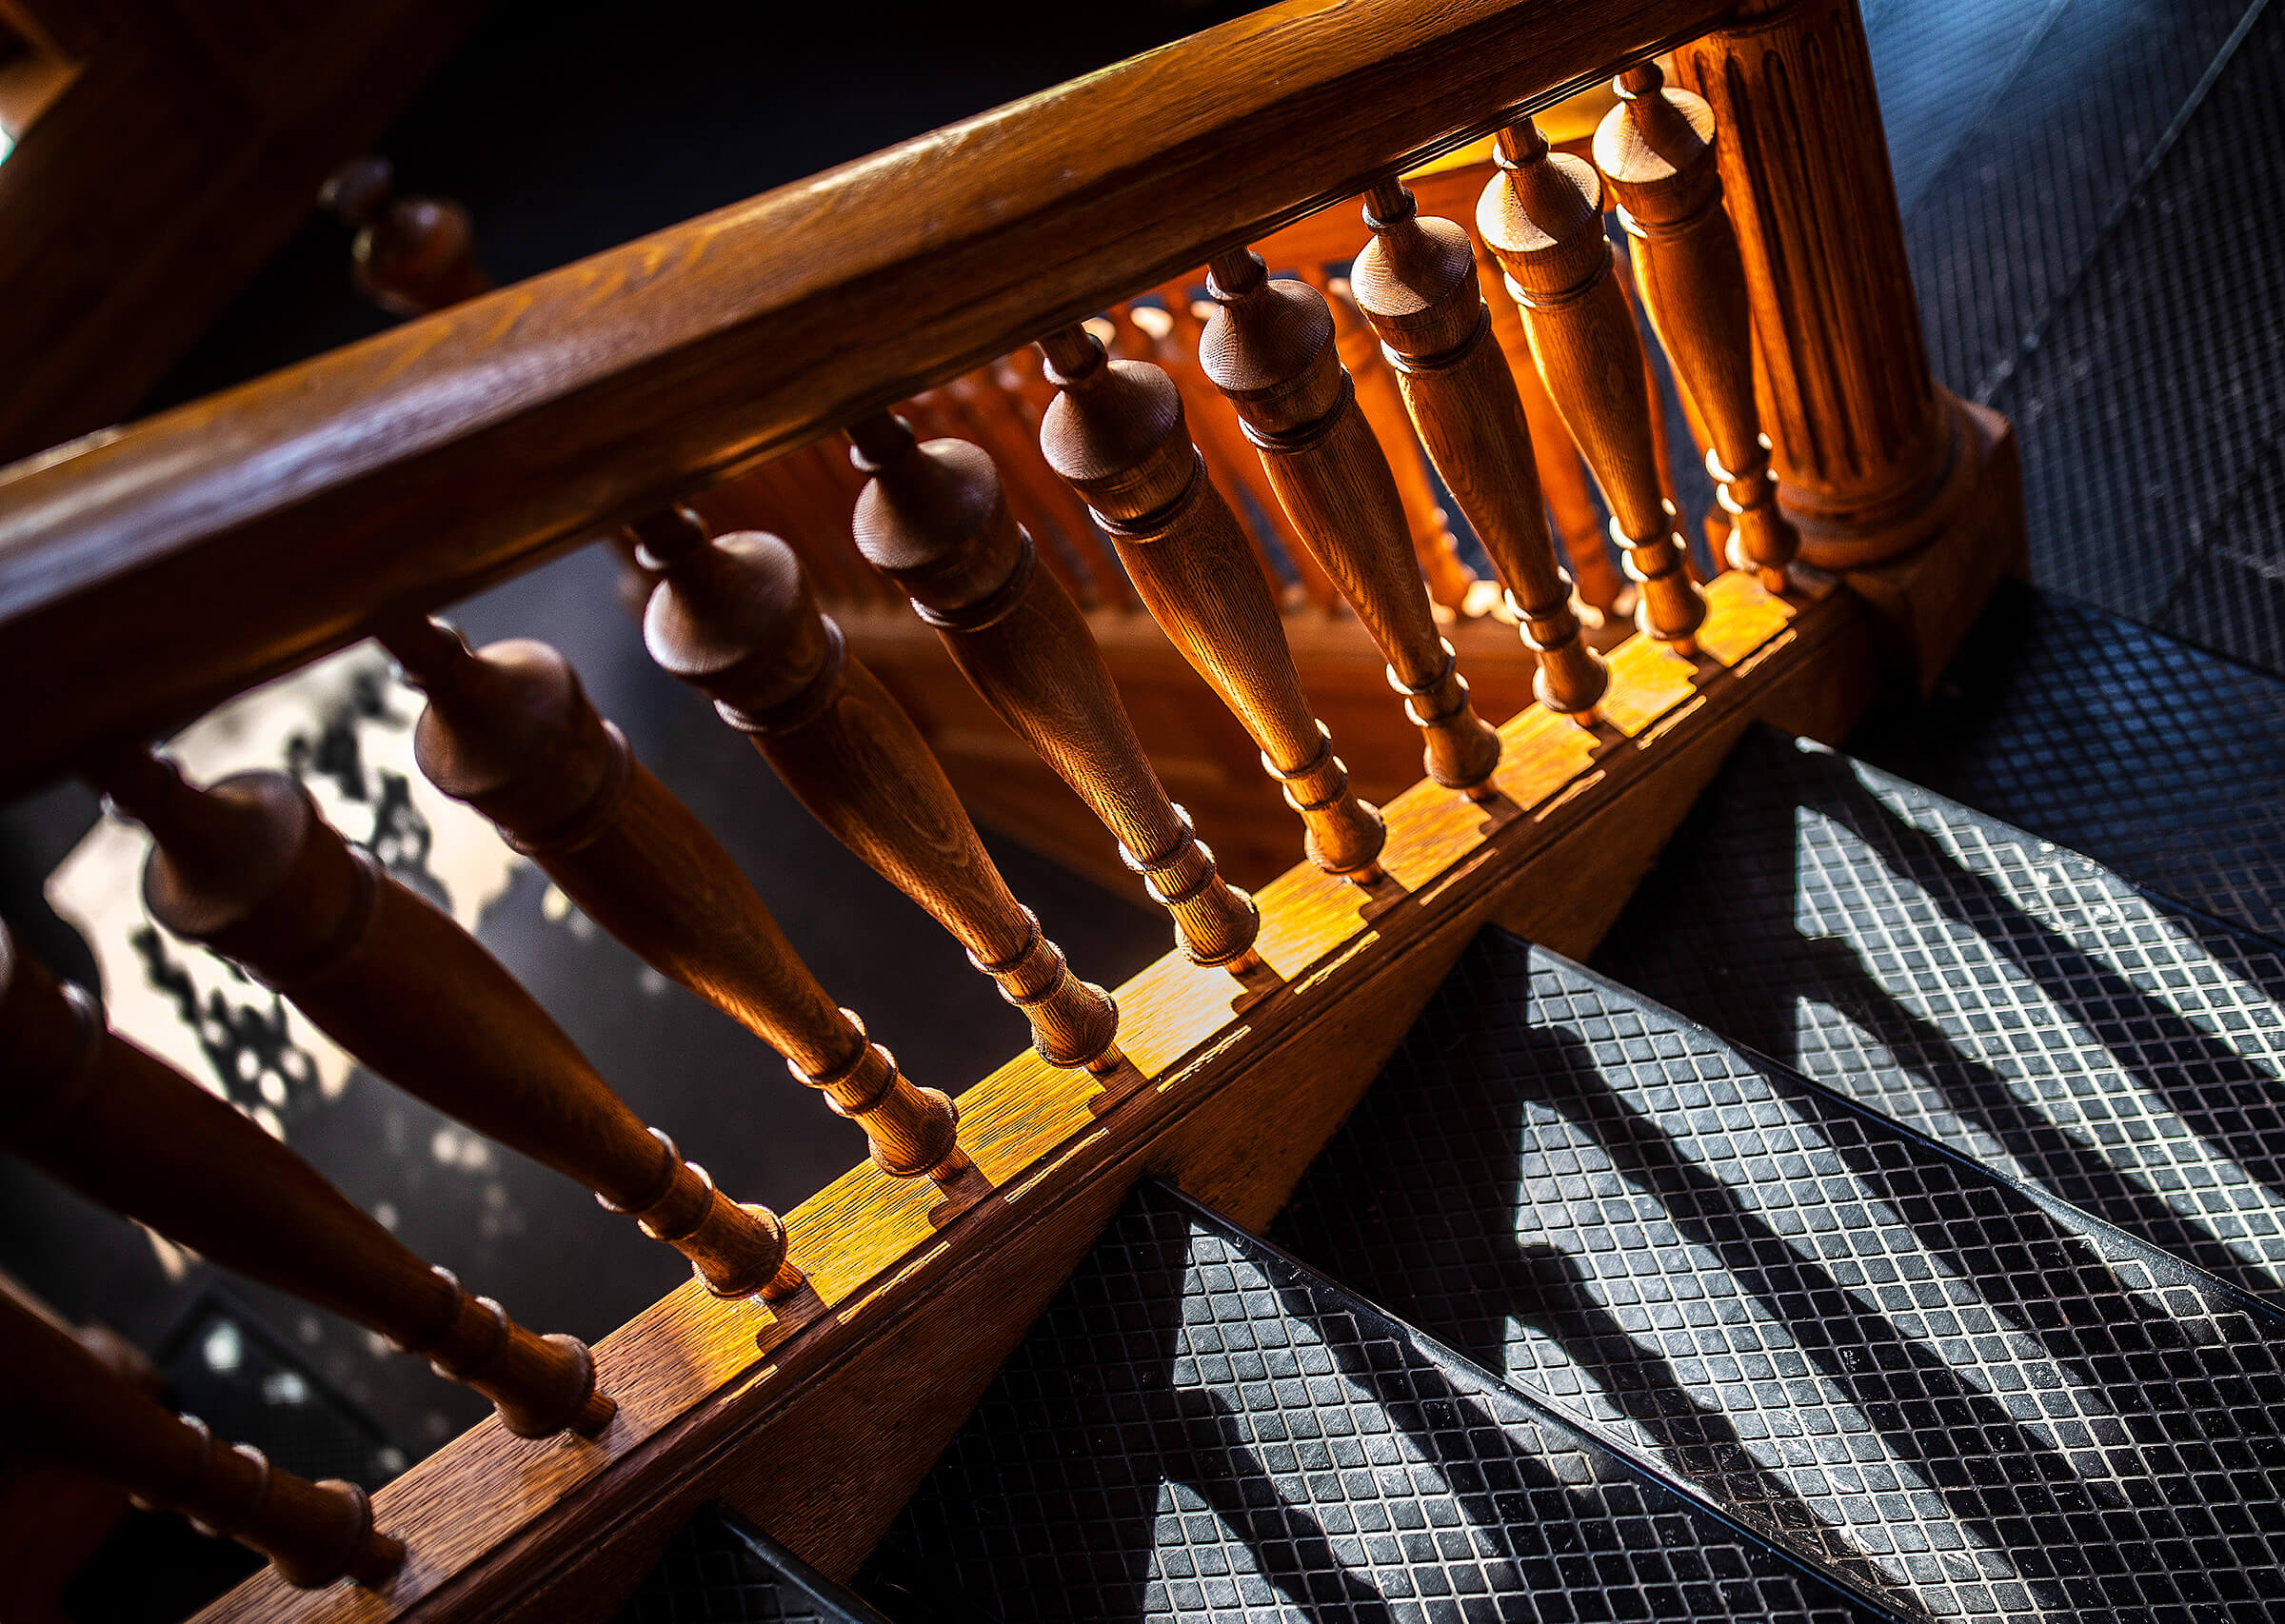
(1867, 1348)
(720, 1569)
(1199, 1428)
(2157, 759)
(2014, 1000)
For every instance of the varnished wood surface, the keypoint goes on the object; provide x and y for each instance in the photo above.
(505, 1524)
(336, 492)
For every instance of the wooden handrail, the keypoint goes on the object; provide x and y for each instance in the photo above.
(335, 491)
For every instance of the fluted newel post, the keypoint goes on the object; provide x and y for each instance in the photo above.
(1869, 451)
(1416, 283)
(1657, 149)
(251, 869)
(58, 1403)
(1118, 432)
(733, 617)
(126, 1129)
(934, 519)
(1270, 348)
(1542, 216)
(511, 732)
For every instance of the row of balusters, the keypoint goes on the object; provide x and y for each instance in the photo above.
(248, 869)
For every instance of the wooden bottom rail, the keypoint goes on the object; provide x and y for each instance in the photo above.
(817, 1419)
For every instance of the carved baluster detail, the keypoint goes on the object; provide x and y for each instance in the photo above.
(1657, 149)
(511, 732)
(126, 1129)
(1381, 400)
(1871, 455)
(414, 254)
(1562, 476)
(733, 617)
(1542, 216)
(934, 519)
(1118, 433)
(251, 869)
(1415, 282)
(1270, 348)
(59, 1403)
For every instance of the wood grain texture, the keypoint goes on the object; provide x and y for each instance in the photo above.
(1271, 348)
(935, 520)
(585, 397)
(733, 615)
(128, 1130)
(250, 869)
(1415, 282)
(60, 1403)
(511, 732)
(1542, 217)
(1119, 434)
(509, 1525)
(1657, 149)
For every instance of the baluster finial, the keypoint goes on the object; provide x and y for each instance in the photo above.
(934, 519)
(1271, 348)
(248, 869)
(59, 1403)
(1118, 433)
(1415, 282)
(1657, 149)
(127, 1129)
(733, 615)
(511, 731)
(1542, 216)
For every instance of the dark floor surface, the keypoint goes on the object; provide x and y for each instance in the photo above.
(2090, 193)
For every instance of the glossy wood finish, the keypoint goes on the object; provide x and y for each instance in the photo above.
(412, 254)
(126, 1129)
(733, 617)
(934, 519)
(250, 869)
(594, 394)
(59, 1403)
(1415, 282)
(1872, 457)
(1270, 348)
(1542, 216)
(511, 731)
(1657, 149)
(1118, 434)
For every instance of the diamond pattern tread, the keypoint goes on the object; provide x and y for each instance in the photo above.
(1875, 1353)
(1198, 1429)
(2009, 999)
(2160, 761)
(720, 1570)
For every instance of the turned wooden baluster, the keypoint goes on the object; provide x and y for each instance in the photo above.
(934, 519)
(1270, 348)
(60, 1404)
(1542, 216)
(511, 732)
(251, 869)
(128, 1130)
(1563, 477)
(1657, 149)
(734, 618)
(414, 254)
(1415, 282)
(1381, 399)
(1118, 433)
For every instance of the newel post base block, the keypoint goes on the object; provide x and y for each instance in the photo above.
(1922, 602)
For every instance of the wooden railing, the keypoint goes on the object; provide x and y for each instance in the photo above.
(816, 1365)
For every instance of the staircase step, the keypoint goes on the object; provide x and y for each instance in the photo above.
(2011, 999)
(2161, 760)
(722, 1570)
(1892, 1361)
(1200, 1429)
